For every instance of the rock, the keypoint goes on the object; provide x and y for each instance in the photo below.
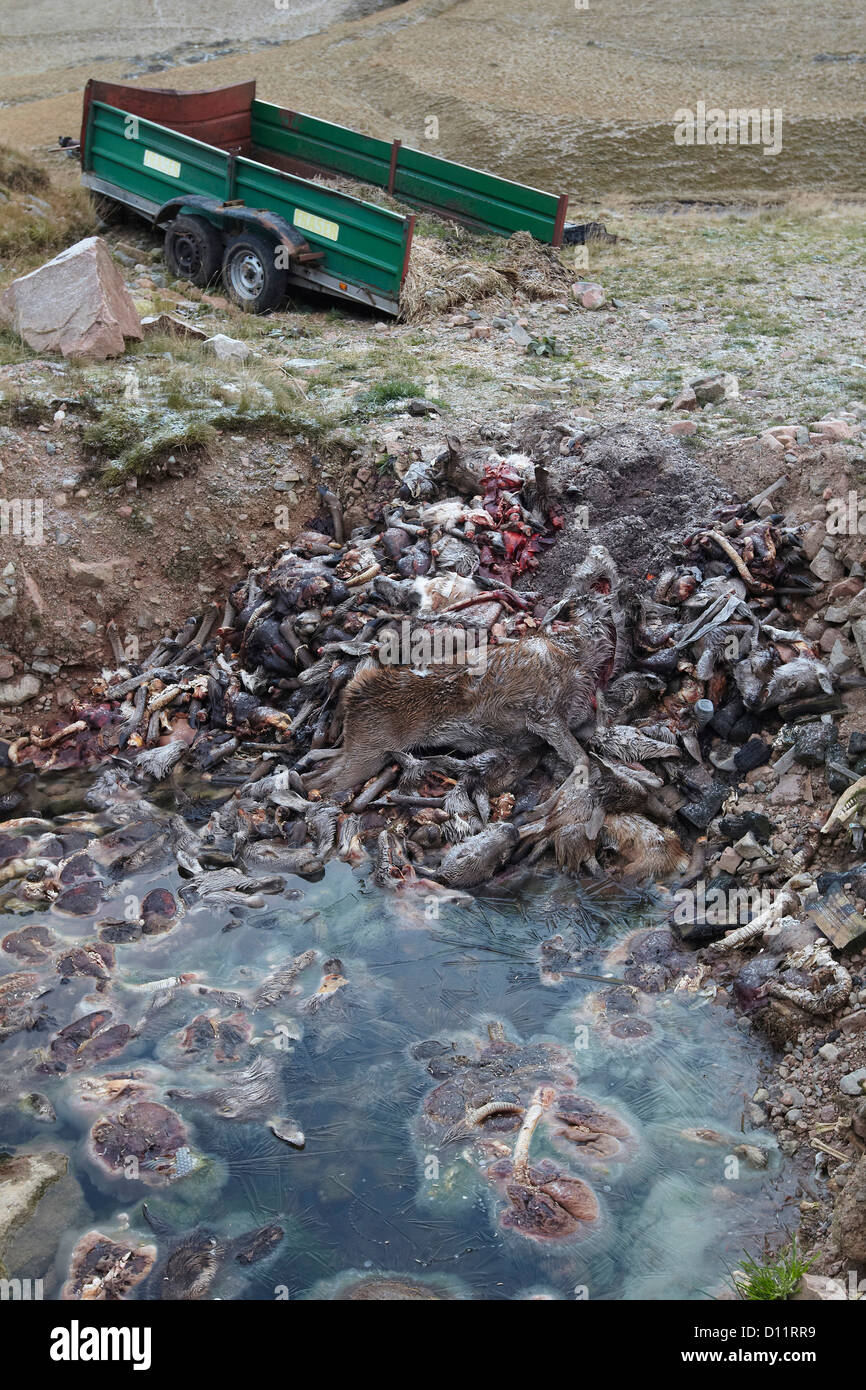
(519, 336)
(729, 860)
(589, 294)
(792, 1096)
(228, 349)
(846, 588)
(17, 692)
(854, 1084)
(96, 574)
(836, 614)
(849, 1217)
(811, 742)
(171, 324)
(748, 848)
(840, 659)
(8, 600)
(829, 1052)
(76, 304)
(858, 630)
(813, 538)
(833, 429)
(709, 388)
(771, 444)
(682, 427)
(787, 792)
(854, 1023)
(24, 1179)
(685, 400)
(818, 1288)
(826, 565)
(658, 325)
(656, 402)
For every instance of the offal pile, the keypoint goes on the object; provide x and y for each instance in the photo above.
(405, 691)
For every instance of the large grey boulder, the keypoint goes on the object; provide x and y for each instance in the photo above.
(76, 304)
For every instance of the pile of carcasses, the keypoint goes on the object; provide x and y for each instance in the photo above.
(604, 724)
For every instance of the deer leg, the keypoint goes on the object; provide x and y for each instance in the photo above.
(556, 732)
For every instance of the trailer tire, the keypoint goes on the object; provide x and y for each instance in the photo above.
(251, 276)
(193, 250)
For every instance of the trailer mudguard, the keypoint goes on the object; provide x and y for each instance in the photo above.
(222, 214)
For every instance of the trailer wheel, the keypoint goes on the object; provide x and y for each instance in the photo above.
(193, 250)
(250, 274)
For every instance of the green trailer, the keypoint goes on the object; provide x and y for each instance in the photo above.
(234, 183)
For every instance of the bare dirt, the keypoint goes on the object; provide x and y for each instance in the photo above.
(163, 551)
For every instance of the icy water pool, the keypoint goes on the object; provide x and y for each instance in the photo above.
(408, 992)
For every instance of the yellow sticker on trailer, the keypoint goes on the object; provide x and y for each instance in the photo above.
(152, 160)
(320, 225)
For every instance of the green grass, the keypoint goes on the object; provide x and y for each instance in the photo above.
(183, 401)
(772, 1280)
(391, 388)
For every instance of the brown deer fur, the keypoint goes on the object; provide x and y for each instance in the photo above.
(537, 688)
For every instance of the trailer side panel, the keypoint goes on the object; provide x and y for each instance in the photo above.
(307, 145)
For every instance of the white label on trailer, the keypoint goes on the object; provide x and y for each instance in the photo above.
(320, 225)
(152, 160)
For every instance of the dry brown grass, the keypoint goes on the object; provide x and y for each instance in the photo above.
(38, 218)
(534, 269)
(438, 281)
(21, 174)
(440, 278)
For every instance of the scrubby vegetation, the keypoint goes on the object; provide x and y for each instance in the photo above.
(37, 218)
(774, 1278)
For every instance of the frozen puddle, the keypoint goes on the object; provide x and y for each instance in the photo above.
(478, 1118)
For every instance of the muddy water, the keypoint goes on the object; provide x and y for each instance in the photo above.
(375, 1190)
